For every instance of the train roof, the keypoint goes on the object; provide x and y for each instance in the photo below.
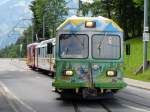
(44, 43)
(32, 44)
(78, 24)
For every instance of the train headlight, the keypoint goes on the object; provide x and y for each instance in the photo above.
(111, 73)
(90, 24)
(69, 73)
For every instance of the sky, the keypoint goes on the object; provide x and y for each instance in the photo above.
(13, 11)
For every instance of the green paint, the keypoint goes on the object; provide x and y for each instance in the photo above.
(78, 80)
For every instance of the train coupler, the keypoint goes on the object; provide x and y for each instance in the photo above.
(89, 92)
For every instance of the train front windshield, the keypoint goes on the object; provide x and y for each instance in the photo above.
(106, 47)
(74, 46)
(102, 46)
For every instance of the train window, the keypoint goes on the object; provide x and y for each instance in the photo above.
(49, 48)
(42, 52)
(106, 46)
(38, 51)
(30, 52)
(73, 46)
(46, 52)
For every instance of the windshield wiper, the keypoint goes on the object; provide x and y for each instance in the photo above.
(66, 50)
(99, 47)
(82, 44)
(100, 44)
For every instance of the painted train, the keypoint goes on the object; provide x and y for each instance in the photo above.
(42, 55)
(86, 57)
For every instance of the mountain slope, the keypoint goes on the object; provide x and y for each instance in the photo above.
(11, 11)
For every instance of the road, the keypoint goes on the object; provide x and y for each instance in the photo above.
(24, 90)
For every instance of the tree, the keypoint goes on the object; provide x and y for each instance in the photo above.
(127, 13)
(53, 11)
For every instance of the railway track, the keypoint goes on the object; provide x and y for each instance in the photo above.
(90, 106)
(136, 95)
(131, 97)
(131, 101)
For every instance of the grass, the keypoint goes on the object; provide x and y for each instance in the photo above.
(135, 60)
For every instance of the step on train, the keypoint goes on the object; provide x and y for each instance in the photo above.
(86, 57)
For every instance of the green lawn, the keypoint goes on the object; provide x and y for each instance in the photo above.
(135, 60)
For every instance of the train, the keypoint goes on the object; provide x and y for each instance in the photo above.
(86, 57)
(42, 55)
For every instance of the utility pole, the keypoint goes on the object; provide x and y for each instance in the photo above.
(79, 11)
(20, 51)
(32, 30)
(43, 26)
(145, 35)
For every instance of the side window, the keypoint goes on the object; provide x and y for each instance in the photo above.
(38, 51)
(42, 52)
(46, 52)
(50, 48)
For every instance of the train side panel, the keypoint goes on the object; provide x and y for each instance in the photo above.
(31, 55)
(45, 61)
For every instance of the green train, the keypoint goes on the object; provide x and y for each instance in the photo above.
(89, 57)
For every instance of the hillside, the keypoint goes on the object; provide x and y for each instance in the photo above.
(13, 51)
(12, 11)
(135, 60)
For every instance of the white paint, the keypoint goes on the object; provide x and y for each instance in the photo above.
(135, 108)
(9, 94)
